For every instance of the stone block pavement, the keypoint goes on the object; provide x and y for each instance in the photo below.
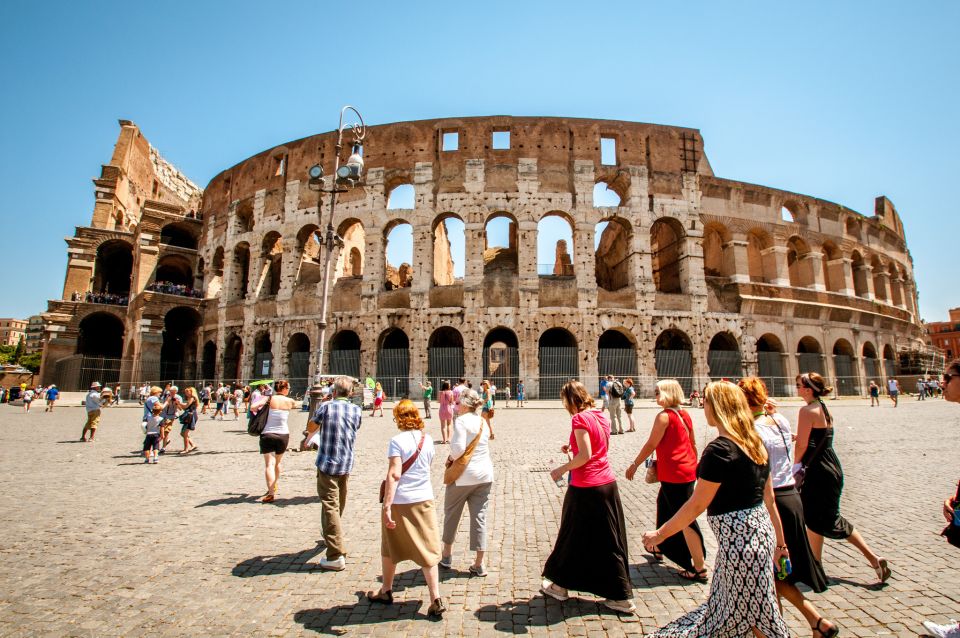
(97, 544)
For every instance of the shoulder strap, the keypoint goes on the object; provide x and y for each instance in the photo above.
(473, 444)
(413, 457)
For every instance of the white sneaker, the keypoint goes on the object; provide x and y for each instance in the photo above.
(622, 606)
(337, 565)
(951, 630)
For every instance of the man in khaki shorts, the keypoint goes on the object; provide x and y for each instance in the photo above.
(92, 404)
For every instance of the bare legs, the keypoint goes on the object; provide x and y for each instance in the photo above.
(271, 471)
(855, 539)
(445, 427)
(696, 549)
(430, 574)
(795, 597)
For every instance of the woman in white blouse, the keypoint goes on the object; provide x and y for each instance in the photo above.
(472, 488)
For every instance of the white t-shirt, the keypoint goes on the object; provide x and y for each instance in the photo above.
(153, 424)
(778, 439)
(414, 485)
(480, 468)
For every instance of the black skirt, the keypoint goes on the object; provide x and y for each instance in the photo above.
(590, 554)
(670, 499)
(821, 490)
(806, 568)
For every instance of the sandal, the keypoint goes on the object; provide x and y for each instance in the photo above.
(268, 498)
(553, 591)
(883, 570)
(697, 576)
(657, 554)
(382, 597)
(830, 633)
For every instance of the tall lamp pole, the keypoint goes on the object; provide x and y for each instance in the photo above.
(344, 176)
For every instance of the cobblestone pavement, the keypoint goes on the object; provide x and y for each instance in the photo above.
(97, 544)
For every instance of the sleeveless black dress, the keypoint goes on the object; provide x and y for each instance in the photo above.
(822, 487)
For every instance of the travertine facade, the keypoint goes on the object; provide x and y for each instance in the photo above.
(692, 275)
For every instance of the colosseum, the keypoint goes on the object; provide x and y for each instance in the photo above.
(655, 267)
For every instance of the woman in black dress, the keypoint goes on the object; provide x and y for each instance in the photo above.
(823, 483)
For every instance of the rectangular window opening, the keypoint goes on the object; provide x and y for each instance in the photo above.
(608, 151)
(501, 140)
(451, 141)
(281, 166)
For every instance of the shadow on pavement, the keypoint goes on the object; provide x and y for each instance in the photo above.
(231, 499)
(72, 441)
(856, 583)
(514, 616)
(333, 621)
(295, 562)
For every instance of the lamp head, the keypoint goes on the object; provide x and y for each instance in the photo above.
(352, 170)
(316, 173)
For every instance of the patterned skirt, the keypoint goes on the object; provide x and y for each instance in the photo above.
(742, 593)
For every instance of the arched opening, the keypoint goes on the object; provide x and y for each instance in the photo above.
(555, 246)
(604, 196)
(308, 248)
(673, 356)
(833, 277)
(810, 356)
(617, 354)
(500, 244)
(723, 357)
(717, 254)
(559, 361)
(449, 250)
(271, 255)
(180, 235)
(501, 357)
(174, 275)
(798, 266)
(232, 359)
(178, 354)
(896, 286)
(215, 279)
(771, 365)
(208, 365)
(298, 363)
(793, 211)
(243, 219)
(345, 354)
(667, 253)
(350, 259)
(871, 363)
(241, 272)
(613, 254)
(100, 344)
(860, 282)
(199, 276)
(890, 363)
(845, 367)
(262, 356)
(851, 228)
(112, 269)
(786, 215)
(879, 279)
(399, 255)
(402, 196)
(444, 356)
(393, 363)
(760, 263)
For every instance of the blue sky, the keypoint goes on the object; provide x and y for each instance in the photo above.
(841, 100)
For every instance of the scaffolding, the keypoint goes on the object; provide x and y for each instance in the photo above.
(921, 360)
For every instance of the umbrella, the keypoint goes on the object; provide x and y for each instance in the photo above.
(254, 384)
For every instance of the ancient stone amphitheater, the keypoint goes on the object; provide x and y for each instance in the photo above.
(656, 267)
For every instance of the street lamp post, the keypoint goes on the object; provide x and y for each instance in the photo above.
(347, 175)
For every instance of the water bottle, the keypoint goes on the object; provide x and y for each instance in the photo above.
(784, 568)
(956, 513)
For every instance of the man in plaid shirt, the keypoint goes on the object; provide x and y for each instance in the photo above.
(339, 421)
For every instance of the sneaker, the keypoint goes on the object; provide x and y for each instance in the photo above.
(146, 460)
(437, 608)
(478, 570)
(950, 630)
(622, 606)
(446, 562)
(337, 565)
(553, 591)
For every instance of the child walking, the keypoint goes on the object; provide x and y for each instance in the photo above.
(151, 442)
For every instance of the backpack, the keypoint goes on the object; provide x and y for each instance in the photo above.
(615, 389)
(258, 417)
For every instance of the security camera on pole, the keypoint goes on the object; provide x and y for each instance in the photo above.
(348, 175)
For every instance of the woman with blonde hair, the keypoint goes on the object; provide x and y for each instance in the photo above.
(189, 418)
(774, 429)
(734, 487)
(590, 554)
(378, 398)
(823, 477)
(675, 443)
(408, 529)
(486, 413)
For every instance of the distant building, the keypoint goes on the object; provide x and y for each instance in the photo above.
(34, 334)
(946, 334)
(11, 331)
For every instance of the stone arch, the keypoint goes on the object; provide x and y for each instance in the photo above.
(607, 195)
(309, 270)
(501, 357)
(113, 267)
(833, 277)
(232, 358)
(500, 243)
(271, 269)
(613, 253)
(402, 196)
(798, 267)
(673, 357)
(889, 361)
(350, 261)
(771, 365)
(810, 356)
(240, 272)
(851, 228)
(717, 254)
(559, 360)
(444, 356)
(555, 242)
(668, 253)
(896, 286)
(208, 361)
(617, 353)
(871, 362)
(298, 363)
(178, 353)
(174, 269)
(243, 217)
(723, 357)
(393, 362)
(262, 355)
(214, 281)
(793, 211)
(879, 279)
(345, 354)
(860, 281)
(180, 234)
(398, 241)
(761, 264)
(449, 249)
(847, 381)
(100, 334)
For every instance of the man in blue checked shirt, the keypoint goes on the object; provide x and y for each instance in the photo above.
(339, 421)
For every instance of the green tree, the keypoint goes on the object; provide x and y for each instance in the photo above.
(31, 361)
(6, 353)
(21, 348)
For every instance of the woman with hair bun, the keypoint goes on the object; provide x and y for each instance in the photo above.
(823, 479)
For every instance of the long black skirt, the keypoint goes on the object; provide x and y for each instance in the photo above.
(590, 554)
(806, 568)
(670, 499)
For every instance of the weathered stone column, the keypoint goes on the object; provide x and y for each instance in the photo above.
(841, 272)
(775, 261)
(811, 264)
(736, 261)
(866, 271)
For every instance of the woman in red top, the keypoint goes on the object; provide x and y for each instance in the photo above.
(590, 554)
(676, 445)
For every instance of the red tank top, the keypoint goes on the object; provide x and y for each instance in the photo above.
(676, 458)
